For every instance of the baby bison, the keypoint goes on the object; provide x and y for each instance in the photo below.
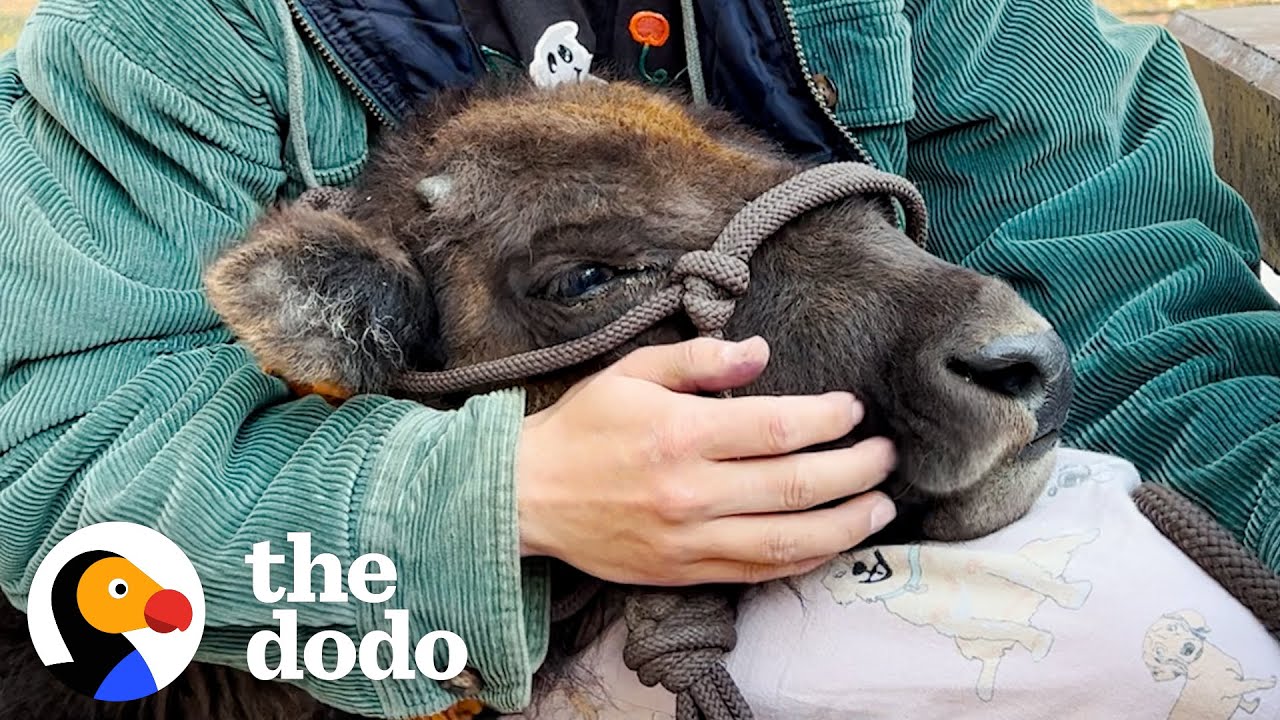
(507, 220)
(514, 219)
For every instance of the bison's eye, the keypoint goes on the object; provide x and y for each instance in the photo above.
(1188, 649)
(580, 283)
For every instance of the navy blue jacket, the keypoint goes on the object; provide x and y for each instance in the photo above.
(755, 74)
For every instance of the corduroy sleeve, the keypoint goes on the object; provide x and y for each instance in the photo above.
(137, 139)
(1070, 154)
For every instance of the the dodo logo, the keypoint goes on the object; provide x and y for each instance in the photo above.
(116, 611)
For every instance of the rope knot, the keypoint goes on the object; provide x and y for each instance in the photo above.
(711, 282)
(679, 641)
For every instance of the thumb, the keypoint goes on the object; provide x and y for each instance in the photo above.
(698, 365)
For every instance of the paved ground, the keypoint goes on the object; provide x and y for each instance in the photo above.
(1158, 11)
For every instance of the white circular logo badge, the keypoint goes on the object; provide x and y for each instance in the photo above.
(116, 611)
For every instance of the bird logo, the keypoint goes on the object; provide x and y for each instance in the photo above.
(116, 612)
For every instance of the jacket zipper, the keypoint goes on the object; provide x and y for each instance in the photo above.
(789, 14)
(369, 103)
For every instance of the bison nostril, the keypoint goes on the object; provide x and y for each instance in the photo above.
(1017, 380)
(1032, 369)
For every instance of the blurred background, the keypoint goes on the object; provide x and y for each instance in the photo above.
(13, 12)
(1158, 11)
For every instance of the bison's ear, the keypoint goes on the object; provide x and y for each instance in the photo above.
(323, 302)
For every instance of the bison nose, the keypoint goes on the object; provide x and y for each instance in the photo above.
(1032, 369)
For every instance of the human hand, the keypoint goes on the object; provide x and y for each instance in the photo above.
(632, 478)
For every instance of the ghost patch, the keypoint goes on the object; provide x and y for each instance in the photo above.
(558, 57)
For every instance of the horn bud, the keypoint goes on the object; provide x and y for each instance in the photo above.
(434, 189)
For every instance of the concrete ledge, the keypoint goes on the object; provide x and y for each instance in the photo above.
(1235, 56)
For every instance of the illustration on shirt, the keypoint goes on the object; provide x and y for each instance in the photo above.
(1072, 476)
(1216, 686)
(983, 600)
(558, 57)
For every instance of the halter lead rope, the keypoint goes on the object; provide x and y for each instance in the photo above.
(704, 283)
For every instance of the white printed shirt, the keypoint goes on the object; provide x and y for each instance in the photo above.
(1081, 609)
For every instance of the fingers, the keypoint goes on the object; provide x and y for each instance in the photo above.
(766, 425)
(699, 365)
(702, 489)
(753, 426)
(786, 539)
(801, 481)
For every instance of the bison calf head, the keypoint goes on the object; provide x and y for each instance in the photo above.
(506, 221)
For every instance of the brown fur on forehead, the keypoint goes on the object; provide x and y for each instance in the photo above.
(524, 159)
(651, 125)
(569, 136)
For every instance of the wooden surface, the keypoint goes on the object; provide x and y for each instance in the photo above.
(1235, 56)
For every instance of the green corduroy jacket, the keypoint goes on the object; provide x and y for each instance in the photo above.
(1056, 147)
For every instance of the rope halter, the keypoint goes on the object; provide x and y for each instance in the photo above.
(703, 283)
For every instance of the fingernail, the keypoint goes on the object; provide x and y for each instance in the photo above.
(730, 352)
(890, 456)
(742, 350)
(882, 513)
(858, 411)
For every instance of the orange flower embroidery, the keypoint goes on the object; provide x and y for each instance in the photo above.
(649, 28)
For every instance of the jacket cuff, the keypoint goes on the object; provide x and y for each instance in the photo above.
(441, 503)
